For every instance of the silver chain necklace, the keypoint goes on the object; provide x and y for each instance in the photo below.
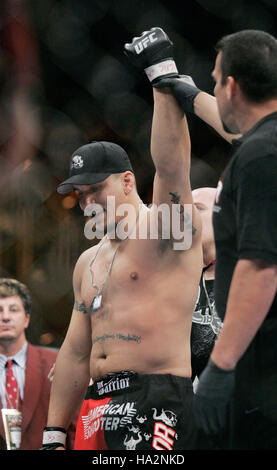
(97, 299)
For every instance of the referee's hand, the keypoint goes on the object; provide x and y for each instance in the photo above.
(212, 397)
(184, 90)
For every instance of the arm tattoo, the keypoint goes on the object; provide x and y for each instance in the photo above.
(175, 198)
(112, 336)
(80, 307)
(184, 217)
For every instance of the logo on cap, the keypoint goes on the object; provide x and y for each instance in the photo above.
(77, 162)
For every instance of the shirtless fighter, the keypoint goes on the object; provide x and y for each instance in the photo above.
(134, 297)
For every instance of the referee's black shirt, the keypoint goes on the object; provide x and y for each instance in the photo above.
(245, 210)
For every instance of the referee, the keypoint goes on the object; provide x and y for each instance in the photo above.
(237, 391)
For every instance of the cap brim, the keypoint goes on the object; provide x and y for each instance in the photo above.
(85, 178)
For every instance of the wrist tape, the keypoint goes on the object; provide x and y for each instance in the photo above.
(164, 68)
(53, 435)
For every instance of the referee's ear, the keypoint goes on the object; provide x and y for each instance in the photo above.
(233, 89)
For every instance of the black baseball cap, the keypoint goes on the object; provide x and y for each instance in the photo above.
(93, 163)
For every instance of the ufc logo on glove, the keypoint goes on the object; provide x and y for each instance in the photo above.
(153, 51)
(143, 43)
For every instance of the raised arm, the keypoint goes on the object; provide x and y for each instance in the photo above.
(170, 149)
(170, 140)
(205, 107)
(72, 374)
(193, 100)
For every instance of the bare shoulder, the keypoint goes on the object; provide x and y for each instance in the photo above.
(81, 265)
(85, 256)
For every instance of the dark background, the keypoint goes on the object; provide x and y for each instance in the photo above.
(65, 81)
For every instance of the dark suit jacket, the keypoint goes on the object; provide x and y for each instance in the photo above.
(36, 400)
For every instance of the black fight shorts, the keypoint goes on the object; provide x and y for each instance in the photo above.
(129, 411)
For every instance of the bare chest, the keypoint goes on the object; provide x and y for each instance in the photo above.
(124, 271)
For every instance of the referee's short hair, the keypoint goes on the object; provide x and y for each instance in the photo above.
(250, 57)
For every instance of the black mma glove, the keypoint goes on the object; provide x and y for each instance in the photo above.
(184, 90)
(153, 52)
(53, 437)
(212, 397)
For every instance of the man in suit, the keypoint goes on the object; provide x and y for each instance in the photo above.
(29, 368)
